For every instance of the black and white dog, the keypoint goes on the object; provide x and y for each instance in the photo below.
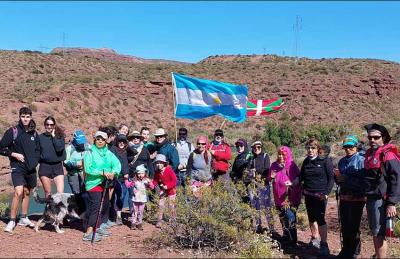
(59, 205)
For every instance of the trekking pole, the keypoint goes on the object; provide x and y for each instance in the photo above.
(338, 212)
(101, 208)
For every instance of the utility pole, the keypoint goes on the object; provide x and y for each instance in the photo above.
(264, 50)
(297, 27)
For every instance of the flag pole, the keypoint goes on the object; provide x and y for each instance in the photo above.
(222, 124)
(174, 101)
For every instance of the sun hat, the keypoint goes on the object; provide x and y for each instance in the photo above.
(202, 139)
(161, 158)
(141, 168)
(160, 132)
(255, 143)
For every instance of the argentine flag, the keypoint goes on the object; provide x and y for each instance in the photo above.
(200, 98)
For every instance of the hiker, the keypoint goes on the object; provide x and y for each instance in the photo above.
(382, 172)
(184, 149)
(21, 145)
(118, 196)
(199, 166)
(221, 152)
(164, 147)
(123, 129)
(74, 161)
(165, 181)
(350, 177)
(112, 133)
(284, 175)
(257, 182)
(101, 166)
(139, 185)
(52, 155)
(141, 154)
(145, 133)
(316, 176)
(241, 161)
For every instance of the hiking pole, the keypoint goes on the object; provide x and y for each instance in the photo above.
(338, 212)
(103, 195)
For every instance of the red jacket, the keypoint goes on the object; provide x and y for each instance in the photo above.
(221, 157)
(168, 178)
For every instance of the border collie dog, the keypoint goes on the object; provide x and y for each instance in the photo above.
(59, 205)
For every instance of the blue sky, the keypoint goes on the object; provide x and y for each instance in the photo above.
(191, 31)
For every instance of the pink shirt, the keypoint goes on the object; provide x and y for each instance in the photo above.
(279, 188)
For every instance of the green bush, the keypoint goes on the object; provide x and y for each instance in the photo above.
(217, 221)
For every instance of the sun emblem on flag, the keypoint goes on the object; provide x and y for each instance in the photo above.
(215, 98)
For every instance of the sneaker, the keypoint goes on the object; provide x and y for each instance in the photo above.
(158, 225)
(10, 227)
(118, 221)
(324, 249)
(25, 222)
(103, 232)
(139, 226)
(110, 224)
(133, 226)
(259, 229)
(88, 237)
(315, 242)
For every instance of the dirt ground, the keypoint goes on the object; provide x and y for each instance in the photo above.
(26, 243)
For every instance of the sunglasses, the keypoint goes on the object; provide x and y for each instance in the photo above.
(160, 136)
(239, 145)
(348, 147)
(135, 137)
(311, 147)
(257, 147)
(218, 135)
(182, 133)
(201, 144)
(49, 124)
(374, 137)
(100, 139)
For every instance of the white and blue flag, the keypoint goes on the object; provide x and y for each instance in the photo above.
(201, 98)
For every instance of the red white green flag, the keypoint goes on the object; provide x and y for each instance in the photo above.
(263, 107)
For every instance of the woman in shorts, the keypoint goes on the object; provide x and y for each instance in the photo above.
(52, 154)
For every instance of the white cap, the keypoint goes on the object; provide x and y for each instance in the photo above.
(100, 134)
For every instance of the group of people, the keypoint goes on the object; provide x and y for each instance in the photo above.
(122, 164)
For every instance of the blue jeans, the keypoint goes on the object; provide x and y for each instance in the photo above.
(120, 194)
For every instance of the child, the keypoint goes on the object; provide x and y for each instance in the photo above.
(166, 180)
(139, 184)
(287, 191)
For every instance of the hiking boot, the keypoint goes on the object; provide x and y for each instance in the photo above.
(103, 232)
(118, 221)
(324, 249)
(315, 242)
(25, 222)
(133, 226)
(10, 226)
(139, 226)
(88, 237)
(158, 225)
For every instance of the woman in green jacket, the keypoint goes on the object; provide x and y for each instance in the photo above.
(100, 164)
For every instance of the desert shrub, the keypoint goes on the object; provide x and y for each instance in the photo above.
(215, 221)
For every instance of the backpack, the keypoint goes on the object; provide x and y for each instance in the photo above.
(15, 134)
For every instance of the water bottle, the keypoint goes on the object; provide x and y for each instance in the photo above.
(389, 227)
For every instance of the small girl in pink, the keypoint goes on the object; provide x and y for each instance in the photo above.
(286, 188)
(139, 184)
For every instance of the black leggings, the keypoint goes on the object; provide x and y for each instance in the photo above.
(315, 209)
(94, 207)
(350, 218)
